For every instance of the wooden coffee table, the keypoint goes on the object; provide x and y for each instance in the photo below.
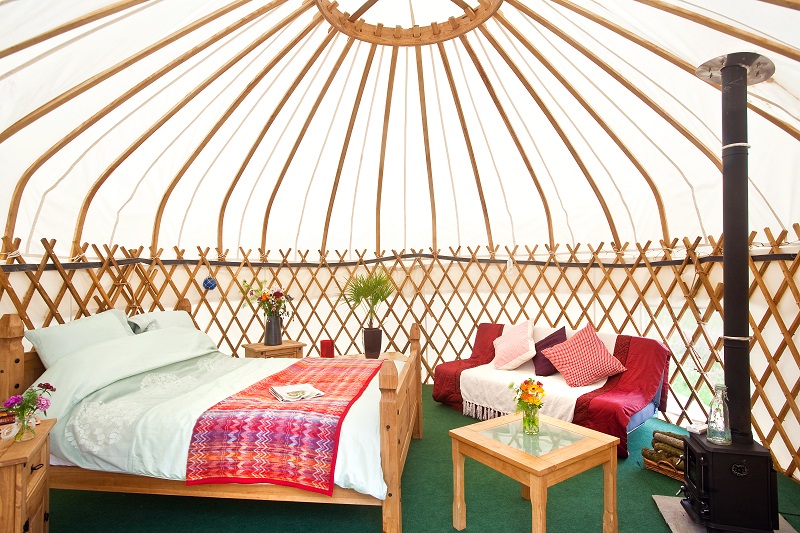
(560, 451)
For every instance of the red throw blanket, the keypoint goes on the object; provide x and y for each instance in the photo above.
(609, 408)
(251, 437)
(447, 376)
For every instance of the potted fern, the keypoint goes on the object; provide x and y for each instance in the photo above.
(369, 291)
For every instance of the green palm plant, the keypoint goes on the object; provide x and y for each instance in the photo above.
(368, 291)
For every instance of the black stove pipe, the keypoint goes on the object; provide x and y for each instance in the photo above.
(736, 254)
(734, 72)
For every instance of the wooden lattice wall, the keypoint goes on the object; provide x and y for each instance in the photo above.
(672, 292)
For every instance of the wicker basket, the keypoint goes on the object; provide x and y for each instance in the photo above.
(663, 467)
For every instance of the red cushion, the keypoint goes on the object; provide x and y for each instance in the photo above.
(583, 359)
(483, 349)
(541, 363)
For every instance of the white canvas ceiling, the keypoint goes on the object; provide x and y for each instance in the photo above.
(256, 124)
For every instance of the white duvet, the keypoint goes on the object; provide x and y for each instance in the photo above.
(129, 405)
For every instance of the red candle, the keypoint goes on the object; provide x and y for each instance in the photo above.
(326, 348)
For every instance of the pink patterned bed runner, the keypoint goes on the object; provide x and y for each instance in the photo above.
(250, 437)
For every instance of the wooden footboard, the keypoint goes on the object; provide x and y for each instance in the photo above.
(400, 414)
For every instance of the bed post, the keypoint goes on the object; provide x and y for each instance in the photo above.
(390, 447)
(416, 354)
(184, 305)
(401, 420)
(12, 357)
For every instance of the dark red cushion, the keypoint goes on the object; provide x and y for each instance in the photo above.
(541, 363)
(483, 349)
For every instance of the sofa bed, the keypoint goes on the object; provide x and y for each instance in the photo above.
(604, 381)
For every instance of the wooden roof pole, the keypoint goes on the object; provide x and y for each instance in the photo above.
(423, 106)
(511, 131)
(84, 86)
(22, 183)
(382, 162)
(95, 15)
(231, 108)
(609, 131)
(300, 136)
(791, 4)
(86, 204)
(710, 154)
(464, 7)
(562, 134)
(468, 144)
(273, 116)
(346, 144)
(672, 58)
(361, 10)
(774, 46)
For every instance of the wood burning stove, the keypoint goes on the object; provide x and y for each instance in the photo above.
(733, 487)
(730, 488)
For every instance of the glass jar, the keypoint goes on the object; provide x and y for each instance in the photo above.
(25, 427)
(530, 419)
(719, 428)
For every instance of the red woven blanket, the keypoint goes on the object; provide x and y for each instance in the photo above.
(250, 437)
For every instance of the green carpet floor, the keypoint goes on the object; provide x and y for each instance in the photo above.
(494, 503)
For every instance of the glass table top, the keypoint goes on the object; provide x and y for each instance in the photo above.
(550, 438)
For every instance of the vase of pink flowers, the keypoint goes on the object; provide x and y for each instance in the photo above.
(24, 407)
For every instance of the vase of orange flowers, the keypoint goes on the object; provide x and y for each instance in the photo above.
(274, 304)
(529, 397)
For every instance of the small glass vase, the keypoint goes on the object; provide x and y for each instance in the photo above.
(25, 429)
(530, 420)
(719, 429)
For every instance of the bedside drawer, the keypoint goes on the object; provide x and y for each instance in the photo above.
(35, 509)
(25, 483)
(35, 470)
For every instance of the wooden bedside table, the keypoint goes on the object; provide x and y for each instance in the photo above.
(287, 348)
(25, 483)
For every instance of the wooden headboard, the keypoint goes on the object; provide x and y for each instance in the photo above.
(19, 369)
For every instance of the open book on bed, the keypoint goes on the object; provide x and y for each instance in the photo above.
(293, 393)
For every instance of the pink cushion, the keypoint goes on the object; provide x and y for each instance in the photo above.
(513, 347)
(583, 359)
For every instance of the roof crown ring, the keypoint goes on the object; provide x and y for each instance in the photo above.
(436, 32)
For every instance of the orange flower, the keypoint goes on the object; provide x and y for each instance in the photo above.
(528, 393)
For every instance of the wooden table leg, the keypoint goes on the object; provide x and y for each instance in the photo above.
(459, 503)
(610, 524)
(538, 493)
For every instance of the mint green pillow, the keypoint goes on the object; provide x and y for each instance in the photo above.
(159, 320)
(54, 342)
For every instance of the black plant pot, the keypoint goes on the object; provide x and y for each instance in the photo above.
(373, 338)
(272, 331)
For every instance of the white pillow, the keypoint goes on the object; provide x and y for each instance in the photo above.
(159, 320)
(54, 342)
(514, 347)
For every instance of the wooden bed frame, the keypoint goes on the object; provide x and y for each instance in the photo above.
(400, 414)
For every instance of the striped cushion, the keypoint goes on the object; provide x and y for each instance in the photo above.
(583, 359)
